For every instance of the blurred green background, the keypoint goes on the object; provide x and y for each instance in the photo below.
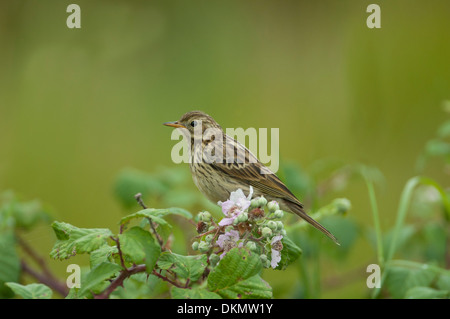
(79, 105)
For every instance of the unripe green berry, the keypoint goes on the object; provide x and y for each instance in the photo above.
(195, 245)
(266, 232)
(211, 228)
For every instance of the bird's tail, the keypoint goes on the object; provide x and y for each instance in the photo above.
(298, 210)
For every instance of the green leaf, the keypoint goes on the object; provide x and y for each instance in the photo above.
(140, 286)
(236, 276)
(31, 291)
(194, 293)
(152, 213)
(444, 130)
(289, 253)
(187, 267)
(20, 213)
(72, 240)
(97, 276)
(179, 211)
(400, 278)
(426, 293)
(102, 254)
(157, 215)
(139, 245)
(437, 148)
(9, 259)
(252, 288)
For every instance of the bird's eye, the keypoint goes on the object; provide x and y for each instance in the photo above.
(194, 123)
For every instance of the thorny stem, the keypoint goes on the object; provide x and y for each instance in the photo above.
(157, 274)
(122, 262)
(124, 274)
(138, 198)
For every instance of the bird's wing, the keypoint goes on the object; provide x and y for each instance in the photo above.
(241, 164)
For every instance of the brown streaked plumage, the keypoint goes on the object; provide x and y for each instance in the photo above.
(216, 179)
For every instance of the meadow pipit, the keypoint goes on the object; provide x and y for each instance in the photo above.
(220, 165)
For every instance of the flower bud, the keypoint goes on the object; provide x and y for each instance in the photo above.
(280, 225)
(262, 201)
(266, 232)
(263, 258)
(206, 216)
(214, 259)
(195, 245)
(209, 238)
(273, 206)
(272, 225)
(253, 204)
(342, 205)
(243, 217)
(278, 213)
(251, 245)
(203, 247)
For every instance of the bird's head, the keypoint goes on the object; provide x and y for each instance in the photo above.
(195, 120)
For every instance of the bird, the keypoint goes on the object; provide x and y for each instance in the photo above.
(219, 165)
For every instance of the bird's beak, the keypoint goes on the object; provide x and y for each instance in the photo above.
(174, 124)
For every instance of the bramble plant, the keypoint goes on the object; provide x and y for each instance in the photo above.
(232, 250)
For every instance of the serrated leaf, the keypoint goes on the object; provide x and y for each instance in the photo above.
(98, 275)
(187, 267)
(157, 214)
(102, 254)
(140, 247)
(31, 291)
(231, 277)
(252, 288)
(194, 293)
(72, 240)
(152, 213)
